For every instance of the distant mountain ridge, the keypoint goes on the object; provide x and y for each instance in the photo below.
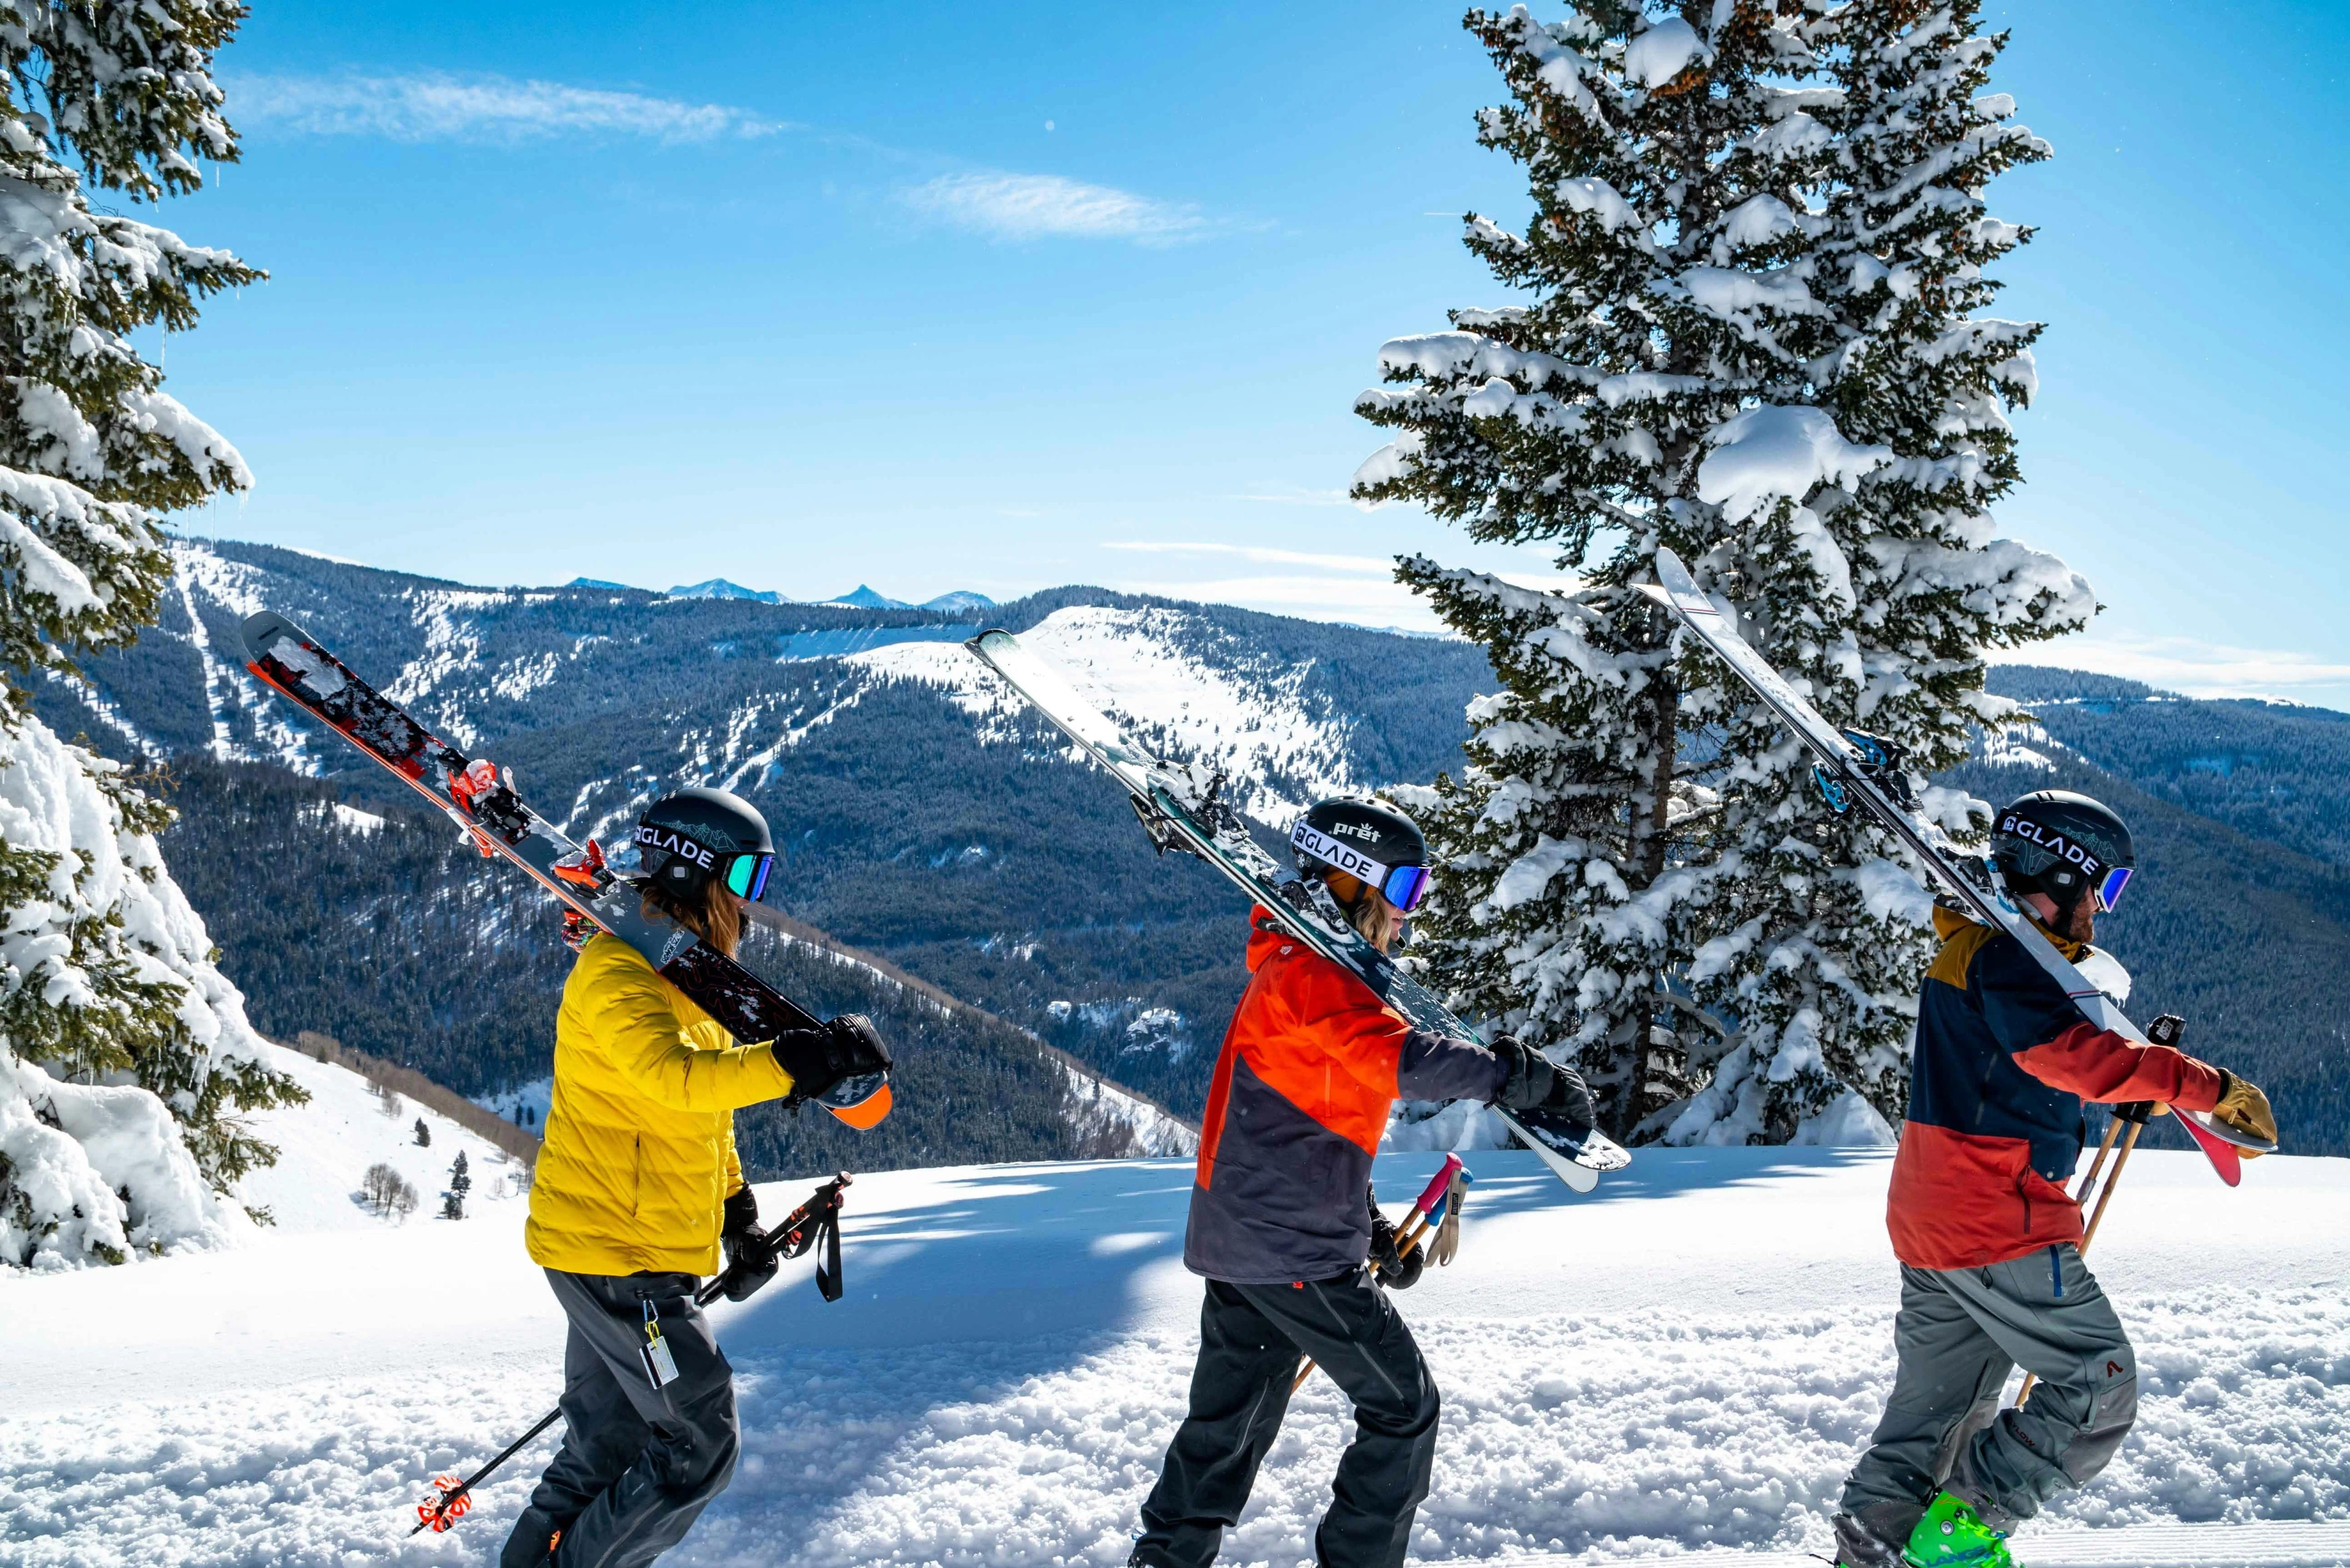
(862, 597)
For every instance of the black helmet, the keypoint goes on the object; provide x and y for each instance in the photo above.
(685, 839)
(1376, 845)
(2064, 844)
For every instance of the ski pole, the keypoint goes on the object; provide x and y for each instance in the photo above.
(2088, 1182)
(1408, 1238)
(794, 1235)
(2138, 1113)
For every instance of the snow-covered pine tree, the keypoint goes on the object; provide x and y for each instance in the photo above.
(1757, 240)
(1571, 421)
(127, 1053)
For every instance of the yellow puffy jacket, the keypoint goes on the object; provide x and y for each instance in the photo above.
(640, 1153)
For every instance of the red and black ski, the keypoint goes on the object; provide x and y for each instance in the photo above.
(482, 802)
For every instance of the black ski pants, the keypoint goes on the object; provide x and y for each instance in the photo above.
(638, 1463)
(1252, 1338)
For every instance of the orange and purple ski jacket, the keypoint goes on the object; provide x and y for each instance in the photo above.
(2002, 1065)
(1312, 1065)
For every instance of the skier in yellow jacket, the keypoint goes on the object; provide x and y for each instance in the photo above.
(639, 1192)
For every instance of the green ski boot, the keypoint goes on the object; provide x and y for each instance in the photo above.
(1953, 1535)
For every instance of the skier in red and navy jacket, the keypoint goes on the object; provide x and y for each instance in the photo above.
(1988, 1238)
(1281, 1224)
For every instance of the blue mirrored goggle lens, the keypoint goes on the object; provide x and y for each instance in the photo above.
(2109, 891)
(1406, 886)
(747, 877)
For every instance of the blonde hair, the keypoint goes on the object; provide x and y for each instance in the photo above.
(713, 915)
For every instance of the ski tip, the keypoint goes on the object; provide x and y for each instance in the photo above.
(992, 637)
(862, 1102)
(261, 630)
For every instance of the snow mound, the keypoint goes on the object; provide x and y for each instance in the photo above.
(97, 1167)
(326, 1146)
(1680, 1367)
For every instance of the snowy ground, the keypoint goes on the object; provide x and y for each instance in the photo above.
(1679, 1365)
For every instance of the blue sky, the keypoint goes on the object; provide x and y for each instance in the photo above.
(1006, 296)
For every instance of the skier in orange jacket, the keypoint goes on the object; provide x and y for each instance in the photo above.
(1280, 1224)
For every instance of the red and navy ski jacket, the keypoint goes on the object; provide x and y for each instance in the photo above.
(2002, 1065)
(1312, 1065)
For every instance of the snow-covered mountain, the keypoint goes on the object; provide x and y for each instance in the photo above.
(1676, 1369)
(720, 588)
(1184, 686)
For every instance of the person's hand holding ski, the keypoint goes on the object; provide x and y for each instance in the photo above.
(1537, 1082)
(2245, 1109)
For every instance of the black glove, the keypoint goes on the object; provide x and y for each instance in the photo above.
(818, 1058)
(1391, 1267)
(1570, 1097)
(742, 1213)
(1531, 1074)
(750, 1262)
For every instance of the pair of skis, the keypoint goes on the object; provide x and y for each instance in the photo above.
(1182, 808)
(1856, 769)
(482, 802)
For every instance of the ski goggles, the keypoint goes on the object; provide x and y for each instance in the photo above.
(746, 878)
(2109, 890)
(1403, 886)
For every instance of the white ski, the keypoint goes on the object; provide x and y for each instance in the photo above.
(1856, 767)
(1180, 810)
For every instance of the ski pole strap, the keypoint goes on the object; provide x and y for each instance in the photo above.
(814, 1223)
(822, 1229)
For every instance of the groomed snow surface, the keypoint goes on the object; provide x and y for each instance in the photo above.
(1680, 1365)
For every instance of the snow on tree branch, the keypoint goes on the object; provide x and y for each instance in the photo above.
(128, 1054)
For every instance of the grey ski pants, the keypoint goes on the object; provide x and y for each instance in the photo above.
(1251, 1340)
(1959, 1334)
(638, 1463)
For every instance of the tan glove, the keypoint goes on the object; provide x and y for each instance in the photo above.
(2243, 1107)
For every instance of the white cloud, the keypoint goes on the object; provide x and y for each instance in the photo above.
(1358, 589)
(1351, 600)
(2192, 667)
(1375, 565)
(437, 107)
(1043, 206)
(1300, 497)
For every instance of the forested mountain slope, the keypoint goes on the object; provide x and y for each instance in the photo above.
(920, 813)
